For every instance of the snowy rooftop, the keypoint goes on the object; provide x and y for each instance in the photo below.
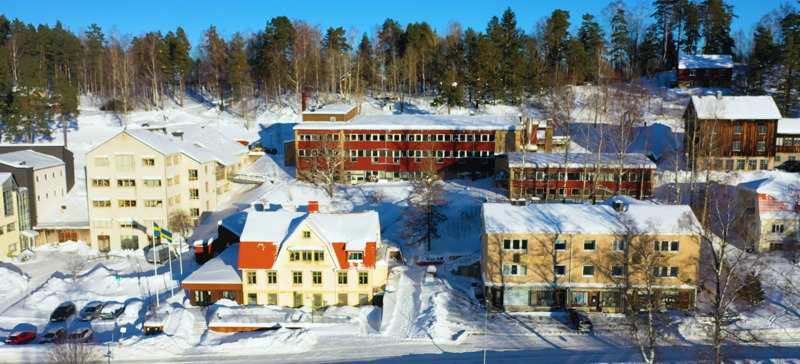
(353, 229)
(705, 61)
(585, 219)
(75, 215)
(789, 126)
(4, 176)
(331, 109)
(29, 159)
(207, 148)
(235, 222)
(779, 185)
(578, 160)
(220, 270)
(736, 108)
(418, 122)
(210, 140)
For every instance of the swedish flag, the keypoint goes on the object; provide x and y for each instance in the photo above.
(166, 235)
(156, 230)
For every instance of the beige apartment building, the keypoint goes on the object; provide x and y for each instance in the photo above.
(547, 256)
(44, 175)
(139, 177)
(9, 216)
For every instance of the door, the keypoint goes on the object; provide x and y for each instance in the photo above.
(104, 243)
(594, 300)
(317, 303)
(298, 299)
(202, 298)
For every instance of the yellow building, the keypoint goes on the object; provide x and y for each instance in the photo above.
(139, 177)
(9, 216)
(312, 259)
(540, 257)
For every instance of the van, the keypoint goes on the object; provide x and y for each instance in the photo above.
(159, 253)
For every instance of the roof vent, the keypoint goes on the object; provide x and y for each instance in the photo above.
(619, 205)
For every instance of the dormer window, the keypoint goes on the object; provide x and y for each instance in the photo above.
(355, 256)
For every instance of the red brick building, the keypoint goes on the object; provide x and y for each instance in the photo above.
(705, 70)
(400, 147)
(546, 176)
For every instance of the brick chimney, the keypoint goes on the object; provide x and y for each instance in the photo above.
(313, 206)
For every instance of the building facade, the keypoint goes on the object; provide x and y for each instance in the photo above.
(731, 132)
(705, 70)
(771, 219)
(312, 259)
(43, 175)
(589, 257)
(140, 177)
(787, 141)
(546, 176)
(401, 147)
(11, 216)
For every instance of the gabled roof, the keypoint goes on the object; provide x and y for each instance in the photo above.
(29, 159)
(789, 126)
(210, 145)
(222, 269)
(353, 229)
(418, 122)
(735, 108)
(206, 139)
(687, 61)
(578, 160)
(331, 109)
(4, 176)
(779, 185)
(586, 219)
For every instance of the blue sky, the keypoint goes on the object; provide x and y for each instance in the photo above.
(136, 17)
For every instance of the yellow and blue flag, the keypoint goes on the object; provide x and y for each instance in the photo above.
(156, 230)
(166, 235)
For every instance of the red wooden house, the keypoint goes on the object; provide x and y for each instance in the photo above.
(705, 70)
(549, 176)
(400, 147)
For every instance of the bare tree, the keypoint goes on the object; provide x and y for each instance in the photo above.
(75, 266)
(420, 223)
(181, 222)
(74, 352)
(325, 159)
(305, 44)
(558, 105)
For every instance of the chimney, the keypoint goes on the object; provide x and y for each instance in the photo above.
(719, 95)
(313, 206)
(178, 134)
(548, 137)
(619, 205)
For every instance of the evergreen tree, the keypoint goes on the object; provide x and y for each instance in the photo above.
(619, 42)
(273, 56)
(752, 291)
(238, 71)
(765, 54)
(790, 62)
(691, 29)
(365, 59)
(178, 61)
(650, 51)
(591, 38)
(95, 42)
(420, 222)
(481, 66)
(214, 61)
(717, 27)
(507, 38)
(666, 15)
(555, 38)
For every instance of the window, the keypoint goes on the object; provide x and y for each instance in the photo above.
(319, 256)
(737, 129)
(251, 278)
(692, 73)
(736, 146)
(588, 245)
(515, 244)
(561, 245)
(762, 146)
(588, 271)
(515, 269)
(194, 212)
(124, 163)
(777, 228)
(252, 299)
(127, 203)
(316, 277)
(666, 246)
(101, 162)
(294, 256)
(129, 242)
(11, 227)
(148, 162)
(306, 234)
(763, 163)
(193, 175)
(126, 183)
(153, 203)
(306, 256)
(752, 164)
(342, 277)
(101, 203)
(272, 299)
(272, 277)
(363, 278)
(152, 182)
(665, 271)
(740, 164)
(127, 224)
(762, 129)
(101, 183)
(355, 256)
(559, 270)
(194, 194)
(617, 270)
(618, 245)
(297, 277)
(95, 223)
(229, 295)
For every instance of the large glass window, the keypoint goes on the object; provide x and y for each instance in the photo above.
(129, 242)
(124, 163)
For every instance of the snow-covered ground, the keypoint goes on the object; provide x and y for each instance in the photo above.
(441, 322)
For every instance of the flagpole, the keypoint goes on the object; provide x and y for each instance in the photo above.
(171, 277)
(155, 262)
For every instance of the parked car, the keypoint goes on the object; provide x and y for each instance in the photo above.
(21, 337)
(91, 311)
(112, 311)
(81, 335)
(56, 335)
(581, 320)
(63, 312)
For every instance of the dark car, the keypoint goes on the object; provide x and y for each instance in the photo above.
(62, 312)
(91, 311)
(82, 335)
(112, 311)
(56, 336)
(581, 321)
(21, 337)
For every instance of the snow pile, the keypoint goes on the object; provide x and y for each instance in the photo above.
(14, 285)
(257, 342)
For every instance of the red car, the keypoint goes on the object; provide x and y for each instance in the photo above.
(22, 337)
